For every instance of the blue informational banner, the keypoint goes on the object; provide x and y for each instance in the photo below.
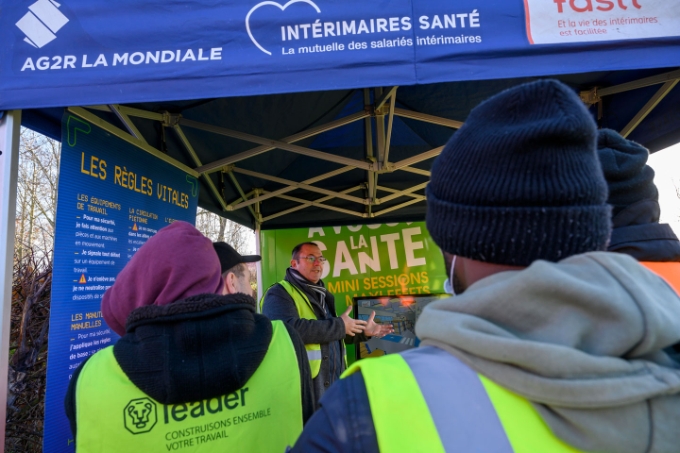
(99, 52)
(112, 198)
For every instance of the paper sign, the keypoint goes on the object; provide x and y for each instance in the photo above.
(569, 21)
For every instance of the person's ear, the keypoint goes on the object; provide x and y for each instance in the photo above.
(293, 263)
(230, 283)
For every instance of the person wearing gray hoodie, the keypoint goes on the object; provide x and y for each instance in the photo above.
(550, 344)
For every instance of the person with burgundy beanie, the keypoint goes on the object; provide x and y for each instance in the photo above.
(192, 353)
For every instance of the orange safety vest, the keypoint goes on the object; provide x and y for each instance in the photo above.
(669, 271)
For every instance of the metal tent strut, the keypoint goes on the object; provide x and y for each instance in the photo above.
(668, 79)
(375, 115)
(378, 115)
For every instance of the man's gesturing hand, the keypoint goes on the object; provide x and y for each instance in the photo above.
(374, 329)
(352, 326)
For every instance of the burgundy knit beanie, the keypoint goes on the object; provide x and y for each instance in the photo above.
(175, 263)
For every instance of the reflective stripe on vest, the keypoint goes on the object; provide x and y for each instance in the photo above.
(112, 414)
(457, 410)
(669, 271)
(305, 311)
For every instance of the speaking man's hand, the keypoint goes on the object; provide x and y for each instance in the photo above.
(373, 329)
(352, 326)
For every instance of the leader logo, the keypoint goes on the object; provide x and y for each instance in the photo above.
(41, 23)
(140, 415)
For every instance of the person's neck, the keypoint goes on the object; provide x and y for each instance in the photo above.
(474, 270)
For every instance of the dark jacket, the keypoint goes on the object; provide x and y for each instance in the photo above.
(197, 348)
(343, 422)
(638, 233)
(327, 330)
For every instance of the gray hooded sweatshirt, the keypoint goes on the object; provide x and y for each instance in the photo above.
(581, 339)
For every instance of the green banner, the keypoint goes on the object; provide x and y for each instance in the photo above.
(364, 260)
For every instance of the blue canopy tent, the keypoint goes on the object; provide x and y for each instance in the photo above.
(317, 111)
(275, 105)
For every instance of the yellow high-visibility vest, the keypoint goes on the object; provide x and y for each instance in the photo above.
(265, 415)
(305, 311)
(444, 406)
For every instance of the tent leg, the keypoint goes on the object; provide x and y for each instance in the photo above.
(10, 133)
(258, 251)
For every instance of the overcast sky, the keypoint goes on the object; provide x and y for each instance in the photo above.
(666, 165)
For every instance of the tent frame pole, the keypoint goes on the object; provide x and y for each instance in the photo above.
(185, 141)
(415, 159)
(640, 83)
(375, 163)
(258, 251)
(291, 185)
(110, 128)
(405, 192)
(307, 204)
(125, 119)
(275, 144)
(669, 79)
(219, 164)
(648, 107)
(396, 207)
(10, 136)
(371, 179)
(424, 117)
(234, 181)
(324, 206)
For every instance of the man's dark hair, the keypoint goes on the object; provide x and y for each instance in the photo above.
(239, 270)
(297, 248)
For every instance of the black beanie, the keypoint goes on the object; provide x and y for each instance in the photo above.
(521, 180)
(625, 168)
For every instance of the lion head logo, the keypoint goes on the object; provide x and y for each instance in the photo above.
(140, 415)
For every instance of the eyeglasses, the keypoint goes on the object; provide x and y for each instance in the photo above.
(311, 259)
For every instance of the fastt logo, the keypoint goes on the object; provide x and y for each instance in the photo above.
(42, 22)
(582, 6)
(140, 415)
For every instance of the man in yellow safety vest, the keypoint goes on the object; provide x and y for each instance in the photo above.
(302, 301)
(549, 344)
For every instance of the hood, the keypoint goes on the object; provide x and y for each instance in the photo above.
(194, 349)
(175, 263)
(582, 339)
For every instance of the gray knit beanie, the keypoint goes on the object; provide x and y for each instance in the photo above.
(521, 180)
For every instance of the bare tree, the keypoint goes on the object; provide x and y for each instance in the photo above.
(28, 352)
(220, 229)
(36, 193)
(34, 241)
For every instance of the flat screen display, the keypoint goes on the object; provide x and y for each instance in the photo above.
(402, 312)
